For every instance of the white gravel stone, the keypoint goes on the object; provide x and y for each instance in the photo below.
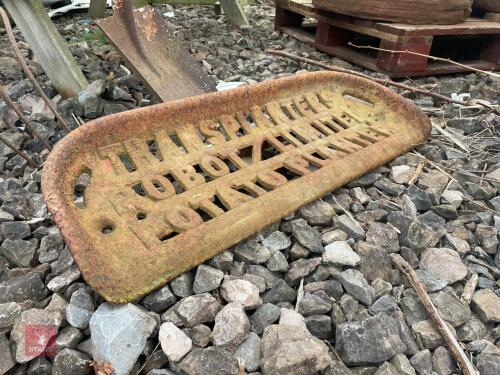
(241, 291)
(339, 253)
(174, 342)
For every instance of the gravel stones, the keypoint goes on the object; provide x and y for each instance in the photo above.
(21, 253)
(427, 334)
(37, 339)
(339, 253)
(279, 292)
(317, 213)
(6, 360)
(174, 342)
(207, 279)
(307, 236)
(450, 307)
(241, 291)
(23, 288)
(231, 325)
(277, 241)
(372, 341)
(197, 309)
(71, 362)
(80, 309)
(488, 362)
(486, 304)
(248, 352)
(250, 251)
(356, 285)
(264, 316)
(119, 333)
(445, 263)
(287, 350)
(160, 299)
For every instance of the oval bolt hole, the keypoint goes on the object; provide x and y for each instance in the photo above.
(107, 229)
(141, 216)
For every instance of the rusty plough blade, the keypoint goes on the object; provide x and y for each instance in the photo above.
(174, 184)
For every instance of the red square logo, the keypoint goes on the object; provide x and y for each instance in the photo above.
(40, 340)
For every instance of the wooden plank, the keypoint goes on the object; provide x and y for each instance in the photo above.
(234, 12)
(97, 9)
(166, 67)
(495, 17)
(472, 26)
(49, 47)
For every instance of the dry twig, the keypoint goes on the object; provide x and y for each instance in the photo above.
(19, 152)
(450, 340)
(378, 80)
(435, 58)
(469, 289)
(27, 70)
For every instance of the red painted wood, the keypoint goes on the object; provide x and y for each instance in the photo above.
(404, 62)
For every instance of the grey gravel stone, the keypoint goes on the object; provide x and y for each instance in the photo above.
(387, 369)
(15, 230)
(182, 286)
(160, 299)
(72, 362)
(474, 329)
(375, 263)
(428, 335)
(450, 307)
(231, 325)
(250, 251)
(317, 213)
(355, 284)
(6, 360)
(301, 268)
(432, 281)
(402, 365)
(445, 263)
(313, 304)
(486, 304)
(320, 326)
(199, 335)
(339, 253)
(422, 362)
(63, 280)
(80, 309)
(249, 352)
(277, 241)
(264, 316)
(207, 279)
(443, 363)
(307, 236)
(119, 333)
(197, 309)
(19, 252)
(287, 350)
(43, 322)
(488, 362)
(23, 288)
(347, 225)
(68, 338)
(279, 292)
(371, 341)
(277, 262)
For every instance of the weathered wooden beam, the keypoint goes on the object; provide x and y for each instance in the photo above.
(97, 9)
(49, 47)
(234, 12)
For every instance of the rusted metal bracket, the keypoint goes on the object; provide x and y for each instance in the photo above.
(175, 184)
(154, 53)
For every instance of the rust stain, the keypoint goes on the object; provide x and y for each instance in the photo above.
(175, 184)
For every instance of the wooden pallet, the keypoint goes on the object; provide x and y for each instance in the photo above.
(475, 42)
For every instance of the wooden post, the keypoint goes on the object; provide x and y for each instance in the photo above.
(97, 9)
(234, 12)
(49, 47)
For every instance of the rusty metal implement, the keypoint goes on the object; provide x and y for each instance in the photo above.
(174, 184)
(156, 55)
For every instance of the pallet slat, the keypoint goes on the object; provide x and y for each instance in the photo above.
(334, 31)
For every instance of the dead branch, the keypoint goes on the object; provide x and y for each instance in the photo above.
(450, 340)
(23, 118)
(19, 152)
(435, 58)
(378, 80)
(469, 289)
(27, 70)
